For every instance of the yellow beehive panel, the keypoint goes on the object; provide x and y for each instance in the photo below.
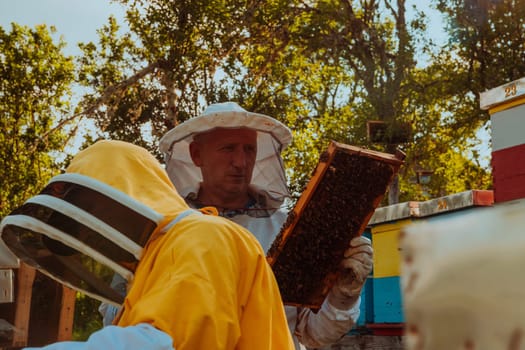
(386, 248)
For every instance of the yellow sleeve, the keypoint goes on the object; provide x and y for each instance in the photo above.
(185, 286)
(264, 324)
(206, 283)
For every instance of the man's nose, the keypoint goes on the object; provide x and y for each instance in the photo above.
(240, 158)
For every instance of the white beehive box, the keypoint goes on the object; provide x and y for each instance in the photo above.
(462, 280)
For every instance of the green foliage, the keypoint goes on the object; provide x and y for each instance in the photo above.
(325, 68)
(344, 64)
(120, 110)
(174, 52)
(489, 38)
(35, 80)
(87, 318)
(485, 49)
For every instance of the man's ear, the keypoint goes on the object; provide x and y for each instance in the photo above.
(195, 153)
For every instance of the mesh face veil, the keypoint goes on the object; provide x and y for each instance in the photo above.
(95, 220)
(80, 232)
(272, 137)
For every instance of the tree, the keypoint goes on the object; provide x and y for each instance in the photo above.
(441, 144)
(35, 81)
(168, 67)
(488, 38)
(343, 63)
(323, 67)
(377, 48)
(373, 46)
(486, 49)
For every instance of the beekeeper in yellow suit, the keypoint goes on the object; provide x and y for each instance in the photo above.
(201, 283)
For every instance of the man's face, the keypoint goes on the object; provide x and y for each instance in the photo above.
(226, 158)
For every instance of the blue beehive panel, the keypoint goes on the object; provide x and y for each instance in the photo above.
(367, 298)
(366, 307)
(387, 303)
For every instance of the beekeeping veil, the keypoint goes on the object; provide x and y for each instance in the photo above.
(94, 220)
(272, 137)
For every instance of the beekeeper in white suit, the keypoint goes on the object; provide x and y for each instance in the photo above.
(230, 158)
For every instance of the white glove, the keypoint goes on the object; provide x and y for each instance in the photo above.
(357, 265)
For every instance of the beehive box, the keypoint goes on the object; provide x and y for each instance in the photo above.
(346, 187)
(386, 226)
(461, 280)
(506, 106)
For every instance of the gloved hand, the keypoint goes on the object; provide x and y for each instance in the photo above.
(356, 264)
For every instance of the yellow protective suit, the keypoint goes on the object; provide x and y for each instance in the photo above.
(205, 282)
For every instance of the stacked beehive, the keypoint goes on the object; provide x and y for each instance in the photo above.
(506, 105)
(382, 306)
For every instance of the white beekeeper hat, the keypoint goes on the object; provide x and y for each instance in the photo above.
(272, 137)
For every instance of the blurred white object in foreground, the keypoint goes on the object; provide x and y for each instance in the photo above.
(463, 280)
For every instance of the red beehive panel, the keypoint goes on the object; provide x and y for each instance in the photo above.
(508, 170)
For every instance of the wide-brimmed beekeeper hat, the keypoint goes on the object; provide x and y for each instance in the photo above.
(80, 232)
(272, 137)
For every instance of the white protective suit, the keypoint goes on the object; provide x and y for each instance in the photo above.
(269, 190)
